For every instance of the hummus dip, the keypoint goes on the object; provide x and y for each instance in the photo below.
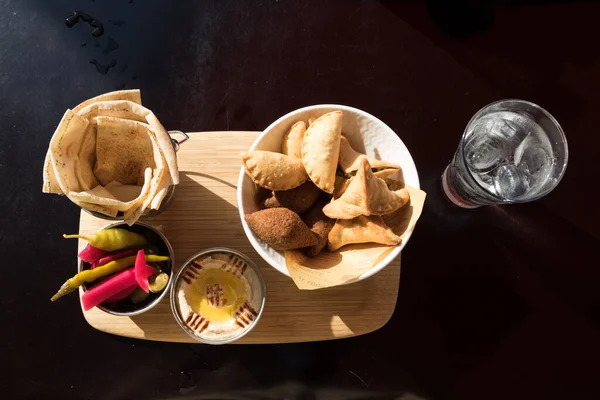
(218, 296)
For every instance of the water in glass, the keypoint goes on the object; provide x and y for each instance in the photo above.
(509, 155)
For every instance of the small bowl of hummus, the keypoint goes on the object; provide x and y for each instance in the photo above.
(218, 296)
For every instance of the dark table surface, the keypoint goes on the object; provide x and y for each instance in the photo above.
(494, 303)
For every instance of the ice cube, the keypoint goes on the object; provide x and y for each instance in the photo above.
(483, 151)
(534, 165)
(501, 127)
(509, 182)
(527, 142)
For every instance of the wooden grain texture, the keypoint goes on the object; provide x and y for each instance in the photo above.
(204, 214)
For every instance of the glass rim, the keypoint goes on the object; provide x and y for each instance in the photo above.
(547, 114)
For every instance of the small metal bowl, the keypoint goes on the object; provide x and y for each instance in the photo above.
(253, 276)
(157, 239)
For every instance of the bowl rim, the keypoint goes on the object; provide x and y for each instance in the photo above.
(249, 234)
(158, 299)
(186, 264)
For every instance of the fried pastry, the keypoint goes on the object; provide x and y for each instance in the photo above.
(274, 171)
(361, 230)
(349, 159)
(341, 184)
(292, 141)
(321, 149)
(366, 195)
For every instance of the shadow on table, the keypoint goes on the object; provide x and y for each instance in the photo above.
(214, 178)
(464, 18)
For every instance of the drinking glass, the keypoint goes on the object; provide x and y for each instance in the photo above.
(512, 151)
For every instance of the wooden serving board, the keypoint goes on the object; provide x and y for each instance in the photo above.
(204, 214)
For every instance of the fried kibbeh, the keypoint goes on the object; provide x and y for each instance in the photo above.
(274, 171)
(319, 224)
(298, 199)
(280, 228)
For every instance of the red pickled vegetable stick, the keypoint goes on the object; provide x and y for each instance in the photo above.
(112, 257)
(92, 255)
(121, 295)
(110, 287)
(143, 271)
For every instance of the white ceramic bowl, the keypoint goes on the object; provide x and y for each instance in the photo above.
(366, 134)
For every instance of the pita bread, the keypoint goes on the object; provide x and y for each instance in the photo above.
(321, 149)
(115, 108)
(165, 145)
(93, 147)
(132, 95)
(122, 192)
(366, 195)
(349, 160)
(50, 184)
(362, 229)
(137, 209)
(123, 151)
(130, 110)
(292, 141)
(162, 191)
(65, 146)
(311, 119)
(274, 171)
(100, 195)
(95, 207)
(159, 175)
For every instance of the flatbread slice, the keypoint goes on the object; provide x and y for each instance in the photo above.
(123, 151)
(64, 154)
(133, 95)
(50, 183)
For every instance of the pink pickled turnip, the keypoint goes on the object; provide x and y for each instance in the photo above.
(112, 257)
(108, 288)
(92, 255)
(121, 295)
(143, 271)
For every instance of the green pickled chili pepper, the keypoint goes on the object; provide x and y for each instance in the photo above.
(156, 283)
(90, 275)
(112, 239)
